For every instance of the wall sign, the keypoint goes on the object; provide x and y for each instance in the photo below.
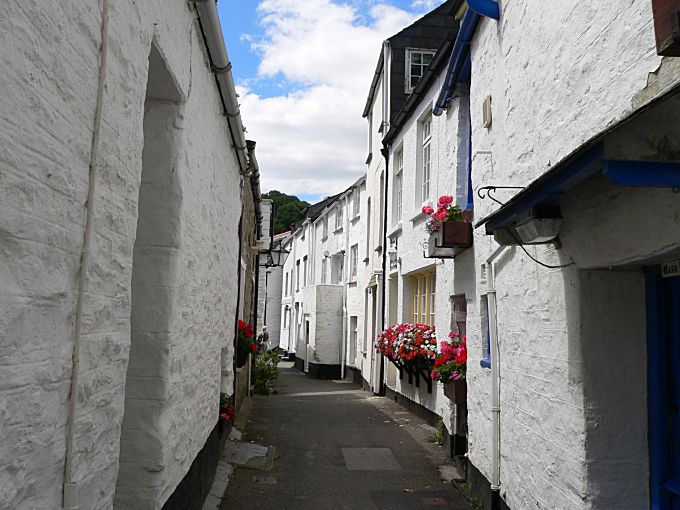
(670, 269)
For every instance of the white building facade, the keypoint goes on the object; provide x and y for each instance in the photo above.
(119, 232)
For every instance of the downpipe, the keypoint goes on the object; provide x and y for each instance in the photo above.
(70, 487)
(495, 380)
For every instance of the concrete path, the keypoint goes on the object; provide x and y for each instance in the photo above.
(338, 447)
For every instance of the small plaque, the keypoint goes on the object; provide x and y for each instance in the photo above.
(670, 269)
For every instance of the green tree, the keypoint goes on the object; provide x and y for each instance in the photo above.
(289, 210)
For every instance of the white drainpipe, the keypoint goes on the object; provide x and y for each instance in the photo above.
(495, 373)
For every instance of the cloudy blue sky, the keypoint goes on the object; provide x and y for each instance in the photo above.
(302, 70)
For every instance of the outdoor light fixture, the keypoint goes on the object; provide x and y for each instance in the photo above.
(541, 224)
(277, 256)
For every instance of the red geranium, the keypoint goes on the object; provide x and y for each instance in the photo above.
(407, 342)
(446, 211)
(451, 362)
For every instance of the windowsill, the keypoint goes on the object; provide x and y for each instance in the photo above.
(324, 238)
(485, 362)
(355, 219)
(419, 217)
(378, 249)
(352, 283)
(365, 261)
(337, 230)
(396, 230)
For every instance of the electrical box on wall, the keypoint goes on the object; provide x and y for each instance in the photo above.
(667, 27)
(486, 112)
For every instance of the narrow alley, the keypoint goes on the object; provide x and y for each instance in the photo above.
(338, 447)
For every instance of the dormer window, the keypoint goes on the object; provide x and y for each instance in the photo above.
(417, 61)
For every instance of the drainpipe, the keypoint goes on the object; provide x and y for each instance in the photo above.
(221, 66)
(495, 381)
(386, 154)
(348, 256)
(70, 488)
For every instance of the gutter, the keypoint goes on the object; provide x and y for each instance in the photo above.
(459, 55)
(221, 66)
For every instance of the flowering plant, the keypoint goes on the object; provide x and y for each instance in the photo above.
(227, 410)
(245, 342)
(407, 342)
(451, 362)
(446, 211)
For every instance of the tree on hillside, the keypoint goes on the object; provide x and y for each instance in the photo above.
(289, 209)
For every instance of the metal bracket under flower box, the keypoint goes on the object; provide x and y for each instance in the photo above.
(415, 369)
(452, 238)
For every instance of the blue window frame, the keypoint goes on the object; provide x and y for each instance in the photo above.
(486, 360)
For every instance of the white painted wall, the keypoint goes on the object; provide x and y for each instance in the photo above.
(44, 174)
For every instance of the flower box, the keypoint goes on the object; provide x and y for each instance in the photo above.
(451, 239)
(456, 392)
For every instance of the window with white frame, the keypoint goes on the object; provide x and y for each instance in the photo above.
(286, 316)
(356, 204)
(297, 275)
(324, 269)
(423, 297)
(304, 271)
(325, 228)
(416, 63)
(398, 185)
(353, 262)
(426, 154)
(338, 217)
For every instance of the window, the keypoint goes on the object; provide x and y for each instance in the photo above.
(304, 271)
(325, 228)
(368, 229)
(353, 262)
(338, 268)
(426, 158)
(324, 268)
(286, 316)
(353, 338)
(398, 185)
(297, 275)
(423, 298)
(416, 63)
(356, 206)
(338, 217)
(286, 286)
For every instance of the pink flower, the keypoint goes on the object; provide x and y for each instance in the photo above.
(427, 210)
(445, 200)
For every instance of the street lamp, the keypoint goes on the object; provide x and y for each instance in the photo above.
(277, 256)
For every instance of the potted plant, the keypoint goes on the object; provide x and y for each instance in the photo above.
(245, 343)
(227, 412)
(450, 368)
(450, 232)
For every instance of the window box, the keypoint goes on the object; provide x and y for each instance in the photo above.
(456, 392)
(452, 238)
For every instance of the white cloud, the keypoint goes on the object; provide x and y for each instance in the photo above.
(313, 140)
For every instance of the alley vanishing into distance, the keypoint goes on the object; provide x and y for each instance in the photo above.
(339, 447)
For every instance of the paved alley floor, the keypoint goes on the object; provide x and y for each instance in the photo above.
(338, 447)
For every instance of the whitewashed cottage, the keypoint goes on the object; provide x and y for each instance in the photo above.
(122, 169)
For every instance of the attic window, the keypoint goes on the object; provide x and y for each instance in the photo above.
(416, 62)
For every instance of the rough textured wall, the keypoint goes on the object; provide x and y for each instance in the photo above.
(45, 132)
(273, 304)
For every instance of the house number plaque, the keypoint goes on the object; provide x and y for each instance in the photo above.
(670, 269)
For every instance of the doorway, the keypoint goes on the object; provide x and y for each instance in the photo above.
(663, 333)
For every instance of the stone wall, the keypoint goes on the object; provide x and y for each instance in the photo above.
(44, 179)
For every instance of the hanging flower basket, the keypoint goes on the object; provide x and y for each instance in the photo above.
(450, 368)
(450, 232)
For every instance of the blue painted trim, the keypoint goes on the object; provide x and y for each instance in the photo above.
(548, 189)
(485, 362)
(459, 56)
(658, 437)
(470, 193)
(487, 8)
(642, 173)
